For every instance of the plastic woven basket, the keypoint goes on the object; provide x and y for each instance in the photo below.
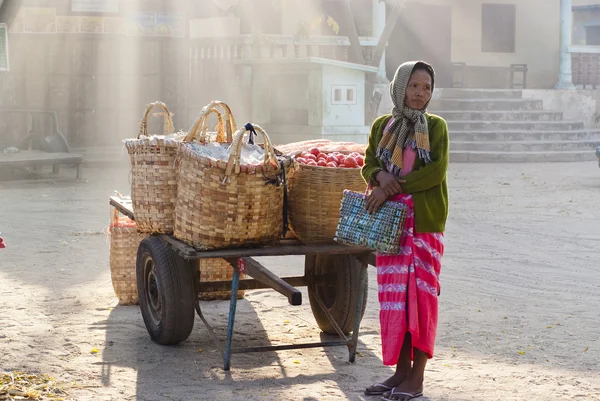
(380, 231)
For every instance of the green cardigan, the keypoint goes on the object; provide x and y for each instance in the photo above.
(426, 183)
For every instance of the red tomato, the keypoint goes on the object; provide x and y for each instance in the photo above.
(360, 160)
(311, 157)
(301, 160)
(350, 162)
(341, 160)
(315, 151)
(331, 164)
(332, 159)
(321, 156)
(322, 163)
(311, 162)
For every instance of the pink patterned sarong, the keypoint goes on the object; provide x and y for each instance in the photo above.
(408, 289)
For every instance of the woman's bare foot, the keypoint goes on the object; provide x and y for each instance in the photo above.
(411, 387)
(386, 386)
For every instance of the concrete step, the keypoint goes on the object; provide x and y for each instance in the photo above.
(524, 146)
(514, 125)
(527, 135)
(521, 157)
(457, 93)
(486, 104)
(484, 115)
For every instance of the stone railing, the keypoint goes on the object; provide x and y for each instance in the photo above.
(251, 47)
(585, 65)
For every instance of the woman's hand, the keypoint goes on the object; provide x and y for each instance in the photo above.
(376, 199)
(389, 183)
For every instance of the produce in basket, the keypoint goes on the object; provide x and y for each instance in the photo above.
(316, 157)
(324, 145)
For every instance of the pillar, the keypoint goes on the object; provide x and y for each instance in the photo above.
(379, 18)
(565, 76)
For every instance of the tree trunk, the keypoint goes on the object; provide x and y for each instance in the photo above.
(390, 24)
(355, 54)
(373, 100)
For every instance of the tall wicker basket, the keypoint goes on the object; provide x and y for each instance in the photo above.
(315, 195)
(224, 204)
(153, 175)
(217, 270)
(124, 243)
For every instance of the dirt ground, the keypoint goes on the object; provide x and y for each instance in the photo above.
(519, 308)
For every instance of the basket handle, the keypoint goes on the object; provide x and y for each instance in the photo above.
(233, 164)
(199, 124)
(230, 126)
(168, 125)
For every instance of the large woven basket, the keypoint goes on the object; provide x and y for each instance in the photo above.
(153, 175)
(224, 204)
(315, 196)
(124, 243)
(217, 270)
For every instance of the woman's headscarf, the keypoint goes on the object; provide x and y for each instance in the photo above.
(404, 121)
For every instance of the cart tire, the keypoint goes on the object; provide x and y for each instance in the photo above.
(166, 292)
(340, 295)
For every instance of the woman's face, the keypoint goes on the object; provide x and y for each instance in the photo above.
(418, 91)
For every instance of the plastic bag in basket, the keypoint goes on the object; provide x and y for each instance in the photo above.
(250, 154)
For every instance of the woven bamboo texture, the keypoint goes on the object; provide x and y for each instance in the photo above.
(124, 243)
(224, 204)
(315, 196)
(217, 270)
(153, 175)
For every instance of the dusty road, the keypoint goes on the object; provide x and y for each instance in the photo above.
(519, 317)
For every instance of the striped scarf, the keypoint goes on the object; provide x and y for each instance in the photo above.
(405, 121)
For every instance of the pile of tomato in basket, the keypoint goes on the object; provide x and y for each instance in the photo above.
(315, 157)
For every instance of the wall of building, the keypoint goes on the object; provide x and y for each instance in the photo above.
(343, 114)
(536, 41)
(536, 38)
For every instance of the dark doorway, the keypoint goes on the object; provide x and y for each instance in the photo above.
(423, 32)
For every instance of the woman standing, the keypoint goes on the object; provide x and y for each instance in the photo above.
(406, 160)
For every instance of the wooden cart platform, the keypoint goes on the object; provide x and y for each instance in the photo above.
(325, 266)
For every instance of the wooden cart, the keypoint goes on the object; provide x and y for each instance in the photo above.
(168, 284)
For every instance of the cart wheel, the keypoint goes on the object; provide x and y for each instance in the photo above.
(339, 295)
(166, 292)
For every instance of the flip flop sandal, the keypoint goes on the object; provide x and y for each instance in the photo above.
(378, 389)
(394, 396)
